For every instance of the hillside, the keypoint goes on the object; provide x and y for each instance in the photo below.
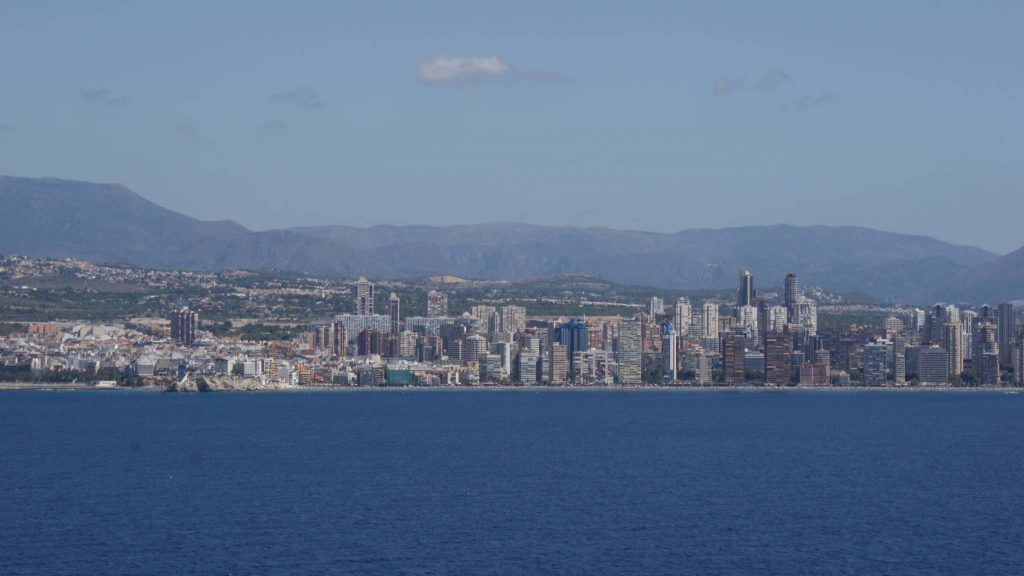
(110, 223)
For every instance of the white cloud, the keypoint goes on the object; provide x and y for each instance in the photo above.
(188, 130)
(725, 86)
(303, 96)
(442, 69)
(103, 96)
(803, 103)
(772, 79)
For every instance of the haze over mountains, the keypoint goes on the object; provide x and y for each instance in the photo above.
(109, 223)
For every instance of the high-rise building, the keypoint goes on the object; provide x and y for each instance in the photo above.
(778, 362)
(372, 342)
(899, 359)
(917, 320)
(988, 369)
(474, 346)
(734, 347)
(437, 304)
(936, 320)
(1019, 364)
(669, 362)
(985, 340)
(395, 313)
(893, 327)
(746, 293)
(683, 313)
(512, 319)
(933, 366)
(747, 320)
(1007, 333)
(558, 364)
(330, 337)
(968, 320)
(876, 363)
(364, 297)
(184, 323)
(527, 369)
(952, 341)
(709, 321)
(702, 367)
(791, 294)
(629, 353)
(655, 307)
(356, 323)
(574, 337)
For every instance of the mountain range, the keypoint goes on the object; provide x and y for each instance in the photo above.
(108, 223)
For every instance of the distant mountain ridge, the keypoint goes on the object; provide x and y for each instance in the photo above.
(110, 223)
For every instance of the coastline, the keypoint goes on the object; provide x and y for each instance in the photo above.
(68, 387)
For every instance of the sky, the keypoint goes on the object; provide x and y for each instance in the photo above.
(903, 116)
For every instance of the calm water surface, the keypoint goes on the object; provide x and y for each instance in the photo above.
(511, 483)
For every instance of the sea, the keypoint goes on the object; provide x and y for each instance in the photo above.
(512, 483)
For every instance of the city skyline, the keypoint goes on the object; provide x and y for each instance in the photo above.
(750, 338)
(549, 116)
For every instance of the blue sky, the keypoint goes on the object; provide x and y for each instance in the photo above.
(661, 116)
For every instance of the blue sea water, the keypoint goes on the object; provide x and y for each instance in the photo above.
(512, 483)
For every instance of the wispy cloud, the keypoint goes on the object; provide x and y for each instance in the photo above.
(442, 69)
(188, 130)
(725, 86)
(773, 79)
(304, 97)
(481, 69)
(769, 80)
(103, 96)
(806, 102)
(275, 125)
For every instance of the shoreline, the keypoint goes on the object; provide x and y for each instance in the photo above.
(59, 387)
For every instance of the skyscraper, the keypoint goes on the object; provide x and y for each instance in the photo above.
(709, 321)
(746, 293)
(791, 295)
(734, 346)
(807, 315)
(512, 318)
(655, 307)
(558, 364)
(778, 359)
(364, 297)
(629, 353)
(984, 341)
(527, 366)
(437, 304)
(339, 343)
(184, 323)
(876, 363)
(1007, 333)
(683, 313)
(933, 325)
(917, 320)
(933, 366)
(394, 313)
(952, 341)
(988, 369)
(1019, 363)
(893, 327)
(669, 366)
(574, 337)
